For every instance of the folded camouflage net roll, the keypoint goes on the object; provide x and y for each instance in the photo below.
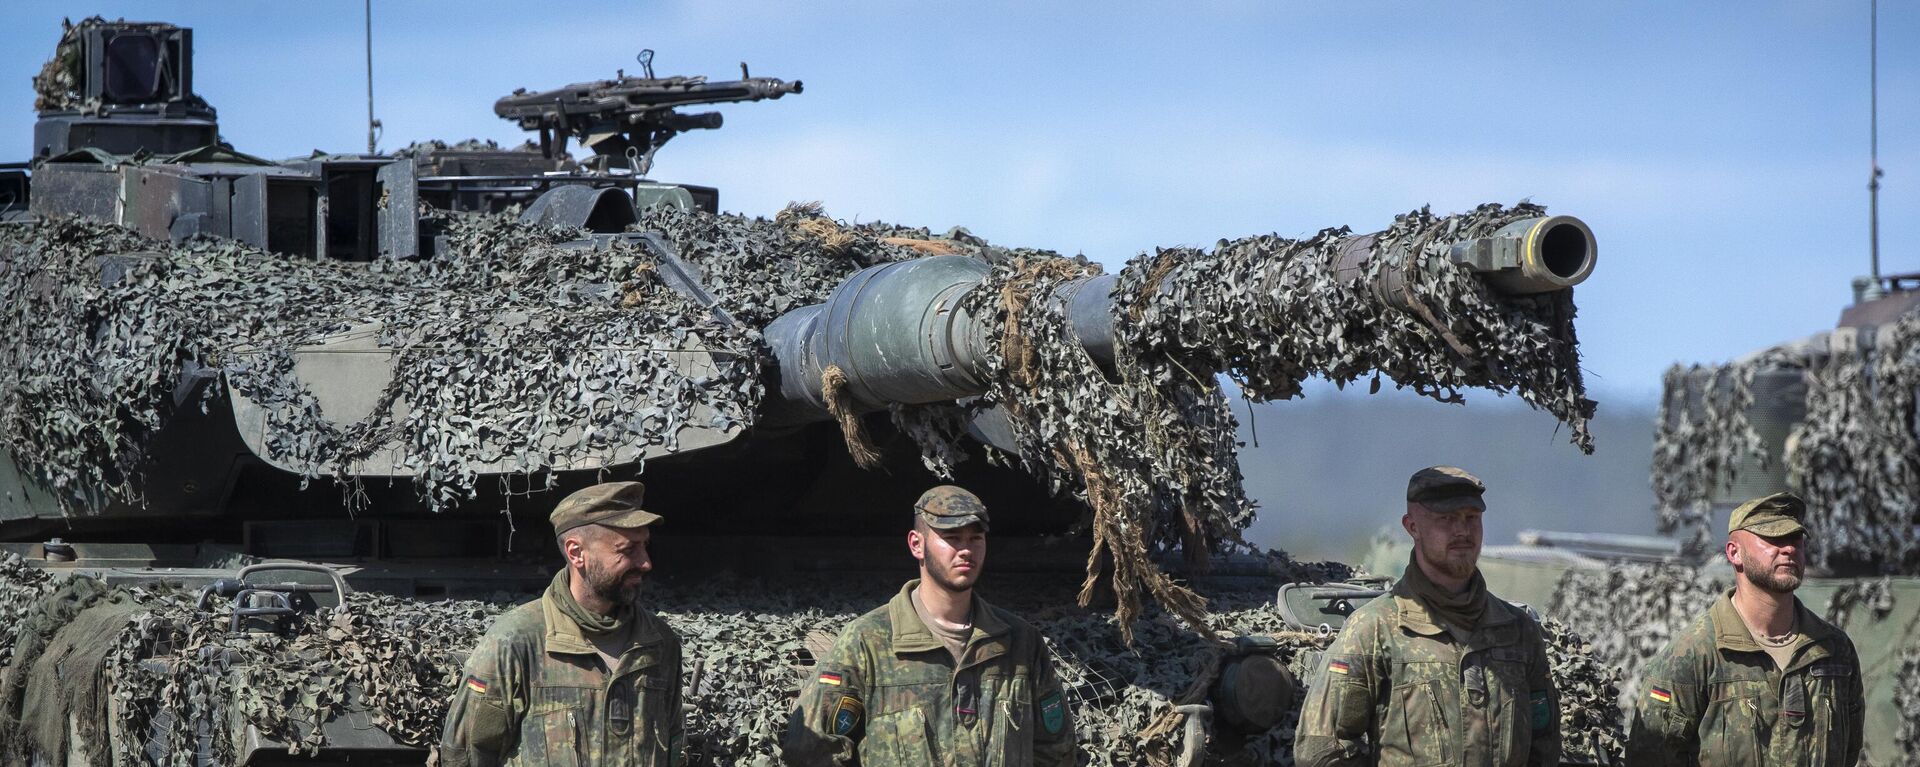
(170, 668)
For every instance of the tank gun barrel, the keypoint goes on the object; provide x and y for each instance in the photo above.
(902, 333)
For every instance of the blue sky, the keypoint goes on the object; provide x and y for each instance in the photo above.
(1718, 150)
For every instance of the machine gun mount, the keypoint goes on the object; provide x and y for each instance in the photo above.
(626, 119)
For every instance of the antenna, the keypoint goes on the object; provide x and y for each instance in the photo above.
(1873, 133)
(373, 125)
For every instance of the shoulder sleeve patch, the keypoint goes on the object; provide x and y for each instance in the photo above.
(847, 715)
(1542, 709)
(1053, 712)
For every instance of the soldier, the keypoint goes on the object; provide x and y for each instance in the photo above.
(1760, 679)
(584, 675)
(1440, 672)
(936, 676)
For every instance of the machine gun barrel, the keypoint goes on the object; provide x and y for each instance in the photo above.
(633, 95)
(626, 119)
(902, 334)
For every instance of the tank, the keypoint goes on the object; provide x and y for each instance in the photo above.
(1829, 417)
(294, 426)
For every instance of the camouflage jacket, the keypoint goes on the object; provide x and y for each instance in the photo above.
(536, 693)
(1714, 697)
(890, 693)
(1398, 689)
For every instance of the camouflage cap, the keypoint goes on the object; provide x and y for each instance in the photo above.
(1775, 515)
(1445, 488)
(950, 508)
(612, 504)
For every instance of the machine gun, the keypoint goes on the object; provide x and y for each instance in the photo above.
(626, 119)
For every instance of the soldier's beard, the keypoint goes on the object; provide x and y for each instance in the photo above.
(944, 577)
(1767, 577)
(1451, 564)
(616, 588)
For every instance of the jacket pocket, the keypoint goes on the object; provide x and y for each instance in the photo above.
(1010, 743)
(1511, 710)
(555, 736)
(1835, 712)
(897, 738)
(1424, 731)
(655, 730)
(1730, 732)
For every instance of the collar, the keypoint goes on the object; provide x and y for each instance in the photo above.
(1415, 617)
(1730, 631)
(565, 637)
(910, 635)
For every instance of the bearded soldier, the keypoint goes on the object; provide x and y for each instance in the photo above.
(584, 675)
(936, 676)
(1759, 680)
(1440, 672)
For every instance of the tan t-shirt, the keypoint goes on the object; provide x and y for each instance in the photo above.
(954, 637)
(1780, 650)
(611, 645)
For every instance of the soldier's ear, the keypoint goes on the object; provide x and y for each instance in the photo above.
(916, 543)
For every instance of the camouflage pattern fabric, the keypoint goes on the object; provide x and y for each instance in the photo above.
(535, 693)
(1401, 690)
(890, 693)
(1714, 698)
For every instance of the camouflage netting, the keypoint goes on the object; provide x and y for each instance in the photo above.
(1628, 613)
(1853, 457)
(1906, 698)
(499, 326)
(1157, 462)
(1592, 724)
(506, 318)
(57, 86)
(159, 666)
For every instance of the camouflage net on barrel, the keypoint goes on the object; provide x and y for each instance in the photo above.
(173, 668)
(1156, 461)
(534, 341)
(1853, 457)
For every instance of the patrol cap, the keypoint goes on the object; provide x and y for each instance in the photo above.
(1446, 488)
(1775, 515)
(612, 504)
(950, 508)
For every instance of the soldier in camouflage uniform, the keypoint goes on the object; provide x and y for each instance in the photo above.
(937, 675)
(1760, 679)
(1440, 672)
(584, 675)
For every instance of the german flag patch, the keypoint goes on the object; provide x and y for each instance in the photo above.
(832, 679)
(1339, 667)
(477, 685)
(1660, 694)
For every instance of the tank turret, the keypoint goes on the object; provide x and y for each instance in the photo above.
(362, 380)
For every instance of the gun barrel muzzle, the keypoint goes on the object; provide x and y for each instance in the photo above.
(1535, 255)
